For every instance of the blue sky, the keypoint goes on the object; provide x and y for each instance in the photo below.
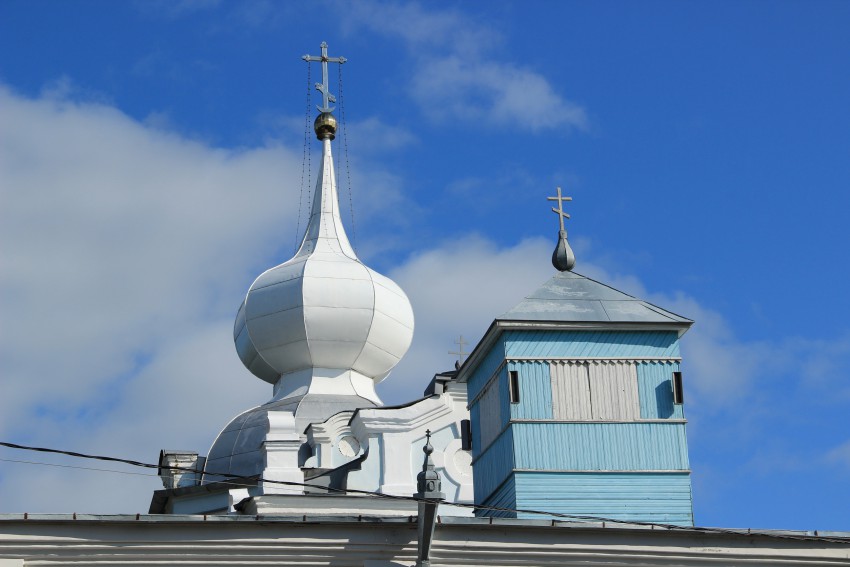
(150, 167)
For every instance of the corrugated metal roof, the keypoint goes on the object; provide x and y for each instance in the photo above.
(572, 297)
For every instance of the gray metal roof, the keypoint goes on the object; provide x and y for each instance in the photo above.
(572, 297)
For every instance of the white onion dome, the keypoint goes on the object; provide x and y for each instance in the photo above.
(323, 313)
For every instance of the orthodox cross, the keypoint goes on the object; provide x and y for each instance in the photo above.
(460, 342)
(560, 209)
(322, 87)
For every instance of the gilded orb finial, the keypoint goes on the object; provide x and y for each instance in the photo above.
(325, 126)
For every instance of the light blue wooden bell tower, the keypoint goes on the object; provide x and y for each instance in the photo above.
(576, 397)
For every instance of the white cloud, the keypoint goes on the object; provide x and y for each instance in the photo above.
(456, 75)
(119, 244)
(458, 288)
(186, 394)
(506, 94)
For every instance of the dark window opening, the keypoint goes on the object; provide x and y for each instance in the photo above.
(465, 435)
(678, 393)
(513, 378)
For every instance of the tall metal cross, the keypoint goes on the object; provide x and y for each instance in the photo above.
(322, 87)
(460, 354)
(560, 209)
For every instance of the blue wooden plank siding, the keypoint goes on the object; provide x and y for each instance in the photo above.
(493, 466)
(535, 390)
(655, 390)
(578, 344)
(504, 497)
(486, 368)
(600, 446)
(643, 497)
(579, 447)
(619, 467)
(491, 410)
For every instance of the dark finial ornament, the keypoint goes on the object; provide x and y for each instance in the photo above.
(563, 257)
(428, 482)
(429, 497)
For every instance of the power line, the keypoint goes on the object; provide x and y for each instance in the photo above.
(228, 477)
(75, 467)
(149, 475)
(257, 479)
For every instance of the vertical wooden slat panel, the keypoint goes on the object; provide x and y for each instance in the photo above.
(613, 387)
(570, 391)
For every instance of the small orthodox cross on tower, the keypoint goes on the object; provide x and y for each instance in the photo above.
(322, 87)
(460, 354)
(562, 258)
(560, 209)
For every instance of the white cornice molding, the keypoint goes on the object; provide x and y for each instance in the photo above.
(360, 539)
(329, 430)
(367, 422)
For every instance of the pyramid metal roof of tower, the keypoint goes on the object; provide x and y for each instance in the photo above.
(572, 297)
